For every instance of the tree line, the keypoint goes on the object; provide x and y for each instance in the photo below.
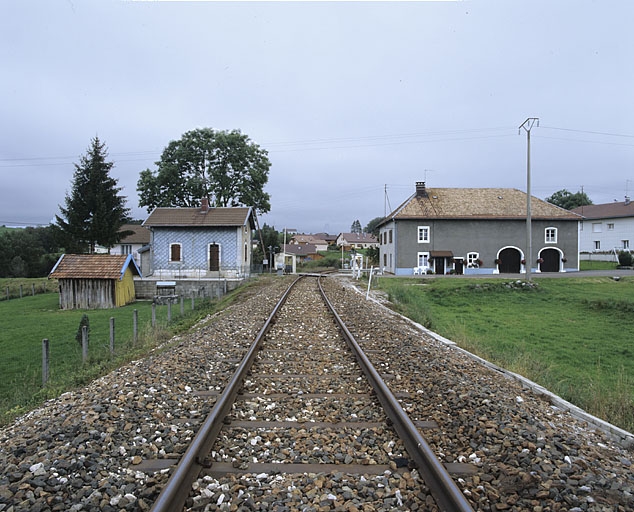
(28, 252)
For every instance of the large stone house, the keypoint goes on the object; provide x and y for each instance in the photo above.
(476, 231)
(606, 228)
(200, 243)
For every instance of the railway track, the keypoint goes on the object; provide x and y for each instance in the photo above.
(305, 401)
(112, 445)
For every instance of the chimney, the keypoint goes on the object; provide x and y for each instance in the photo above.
(204, 205)
(627, 200)
(421, 191)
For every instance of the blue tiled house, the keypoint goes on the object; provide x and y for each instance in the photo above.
(198, 243)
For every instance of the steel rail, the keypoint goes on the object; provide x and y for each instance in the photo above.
(444, 490)
(178, 488)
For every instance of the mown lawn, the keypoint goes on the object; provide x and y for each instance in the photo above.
(571, 335)
(25, 322)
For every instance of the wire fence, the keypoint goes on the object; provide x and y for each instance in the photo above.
(72, 355)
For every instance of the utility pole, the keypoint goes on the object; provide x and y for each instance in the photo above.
(528, 125)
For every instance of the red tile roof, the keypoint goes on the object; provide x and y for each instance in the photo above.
(93, 266)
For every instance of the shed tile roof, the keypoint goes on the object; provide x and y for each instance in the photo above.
(191, 217)
(606, 210)
(477, 203)
(93, 266)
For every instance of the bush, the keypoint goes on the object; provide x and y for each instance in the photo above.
(83, 322)
(625, 258)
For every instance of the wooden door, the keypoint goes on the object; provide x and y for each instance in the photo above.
(214, 257)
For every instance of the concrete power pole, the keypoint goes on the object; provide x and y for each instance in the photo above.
(528, 125)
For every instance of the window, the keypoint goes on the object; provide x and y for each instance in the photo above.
(423, 234)
(597, 245)
(126, 249)
(610, 226)
(390, 236)
(385, 260)
(384, 237)
(175, 252)
(472, 259)
(423, 259)
(626, 244)
(596, 227)
(551, 235)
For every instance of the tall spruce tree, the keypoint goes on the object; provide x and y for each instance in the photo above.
(94, 211)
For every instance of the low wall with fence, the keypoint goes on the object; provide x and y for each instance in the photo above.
(204, 288)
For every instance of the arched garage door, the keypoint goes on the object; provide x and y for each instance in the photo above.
(551, 259)
(510, 261)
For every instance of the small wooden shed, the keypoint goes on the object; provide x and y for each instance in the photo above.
(95, 281)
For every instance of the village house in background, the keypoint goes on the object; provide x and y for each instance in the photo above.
(476, 231)
(316, 242)
(135, 244)
(606, 229)
(356, 241)
(95, 281)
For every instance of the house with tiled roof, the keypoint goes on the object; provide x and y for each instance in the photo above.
(356, 240)
(95, 281)
(138, 237)
(200, 243)
(319, 244)
(476, 230)
(606, 228)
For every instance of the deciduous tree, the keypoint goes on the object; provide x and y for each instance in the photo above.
(226, 167)
(565, 199)
(373, 226)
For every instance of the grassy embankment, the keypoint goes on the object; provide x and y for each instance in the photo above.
(571, 335)
(25, 322)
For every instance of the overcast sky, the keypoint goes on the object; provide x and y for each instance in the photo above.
(354, 102)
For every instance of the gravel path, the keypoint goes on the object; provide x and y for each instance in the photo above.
(83, 450)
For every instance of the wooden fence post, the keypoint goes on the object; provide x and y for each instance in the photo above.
(33, 289)
(45, 361)
(182, 305)
(84, 343)
(111, 336)
(135, 326)
(7, 293)
(20, 291)
(153, 314)
(192, 301)
(169, 311)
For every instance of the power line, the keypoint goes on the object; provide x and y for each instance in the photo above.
(588, 131)
(588, 141)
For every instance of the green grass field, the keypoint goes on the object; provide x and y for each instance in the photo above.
(25, 322)
(572, 336)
